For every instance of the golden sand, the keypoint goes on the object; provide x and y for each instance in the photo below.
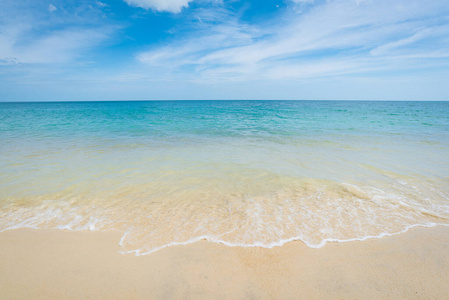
(51, 264)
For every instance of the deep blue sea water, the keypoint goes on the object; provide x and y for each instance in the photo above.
(248, 173)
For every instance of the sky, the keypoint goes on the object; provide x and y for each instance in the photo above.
(67, 50)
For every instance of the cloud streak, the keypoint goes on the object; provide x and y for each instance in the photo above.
(58, 47)
(52, 8)
(330, 39)
(220, 49)
(36, 37)
(173, 6)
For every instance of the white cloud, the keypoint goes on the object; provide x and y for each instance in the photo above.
(401, 45)
(173, 6)
(29, 36)
(327, 44)
(58, 47)
(52, 8)
(331, 39)
(303, 1)
(101, 4)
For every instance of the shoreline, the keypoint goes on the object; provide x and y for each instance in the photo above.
(56, 264)
(281, 243)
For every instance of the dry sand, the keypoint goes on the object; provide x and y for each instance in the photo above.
(50, 264)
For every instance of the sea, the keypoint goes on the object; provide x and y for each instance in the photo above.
(240, 173)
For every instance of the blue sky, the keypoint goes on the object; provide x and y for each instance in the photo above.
(220, 49)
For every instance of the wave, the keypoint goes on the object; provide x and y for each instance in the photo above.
(312, 211)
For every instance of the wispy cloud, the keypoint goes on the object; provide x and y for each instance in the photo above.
(173, 6)
(101, 4)
(58, 47)
(331, 38)
(221, 49)
(31, 36)
(52, 8)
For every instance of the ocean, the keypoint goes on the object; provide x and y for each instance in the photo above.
(241, 173)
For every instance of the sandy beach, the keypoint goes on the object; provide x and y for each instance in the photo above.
(181, 149)
(51, 264)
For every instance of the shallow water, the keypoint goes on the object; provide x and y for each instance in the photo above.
(246, 173)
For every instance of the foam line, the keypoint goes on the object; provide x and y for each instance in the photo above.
(138, 252)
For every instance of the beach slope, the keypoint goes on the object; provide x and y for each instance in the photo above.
(51, 264)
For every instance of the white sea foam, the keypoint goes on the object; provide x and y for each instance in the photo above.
(314, 212)
(140, 252)
(240, 174)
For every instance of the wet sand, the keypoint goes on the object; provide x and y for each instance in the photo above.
(51, 264)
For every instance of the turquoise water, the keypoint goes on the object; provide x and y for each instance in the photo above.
(244, 173)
